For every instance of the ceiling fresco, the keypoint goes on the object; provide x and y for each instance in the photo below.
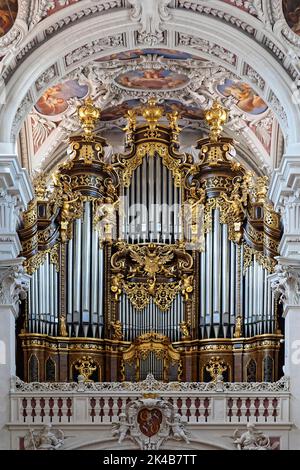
(124, 81)
(116, 112)
(150, 79)
(248, 100)
(56, 5)
(8, 14)
(55, 100)
(291, 11)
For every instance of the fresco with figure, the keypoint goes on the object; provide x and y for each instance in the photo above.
(248, 100)
(8, 14)
(54, 100)
(169, 106)
(291, 11)
(151, 79)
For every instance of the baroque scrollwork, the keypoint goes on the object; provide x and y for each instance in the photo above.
(152, 270)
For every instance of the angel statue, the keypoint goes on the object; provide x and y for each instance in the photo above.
(178, 428)
(46, 439)
(121, 428)
(251, 439)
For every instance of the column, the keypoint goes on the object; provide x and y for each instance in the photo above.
(15, 193)
(285, 193)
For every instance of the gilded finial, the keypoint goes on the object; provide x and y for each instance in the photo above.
(88, 115)
(215, 117)
(152, 113)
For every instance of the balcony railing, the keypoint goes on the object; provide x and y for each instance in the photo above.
(97, 403)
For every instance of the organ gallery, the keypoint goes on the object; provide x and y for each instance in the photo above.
(150, 261)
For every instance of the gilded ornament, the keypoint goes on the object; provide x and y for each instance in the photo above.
(88, 115)
(86, 366)
(216, 367)
(216, 117)
(117, 327)
(185, 329)
(152, 113)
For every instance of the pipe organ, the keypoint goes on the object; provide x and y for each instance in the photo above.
(150, 263)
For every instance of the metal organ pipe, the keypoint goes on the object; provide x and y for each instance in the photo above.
(216, 271)
(225, 279)
(86, 260)
(158, 198)
(209, 264)
(77, 271)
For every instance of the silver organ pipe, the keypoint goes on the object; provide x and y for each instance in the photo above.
(100, 290)
(165, 219)
(246, 304)
(94, 287)
(202, 292)
(77, 274)
(216, 272)
(154, 204)
(225, 279)
(85, 271)
(151, 318)
(43, 299)
(70, 286)
(150, 181)
(142, 174)
(209, 264)
(232, 287)
(158, 199)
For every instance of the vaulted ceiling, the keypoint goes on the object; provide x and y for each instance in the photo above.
(121, 52)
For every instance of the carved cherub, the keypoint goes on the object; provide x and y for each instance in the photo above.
(46, 439)
(121, 429)
(185, 329)
(178, 428)
(116, 285)
(117, 326)
(187, 285)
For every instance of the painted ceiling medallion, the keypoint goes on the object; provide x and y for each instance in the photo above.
(152, 79)
(55, 100)
(248, 100)
(116, 112)
(291, 11)
(8, 14)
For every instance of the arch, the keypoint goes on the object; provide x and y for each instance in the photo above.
(45, 65)
(50, 370)
(251, 371)
(33, 368)
(268, 369)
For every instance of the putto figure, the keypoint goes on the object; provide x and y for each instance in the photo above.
(46, 439)
(121, 428)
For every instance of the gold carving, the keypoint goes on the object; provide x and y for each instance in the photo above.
(152, 270)
(185, 330)
(63, 326)
(215, 117)
(216, 367)
(152, 113)
(86, 366)
(238, 327)
(117, 327)
(88, 115)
